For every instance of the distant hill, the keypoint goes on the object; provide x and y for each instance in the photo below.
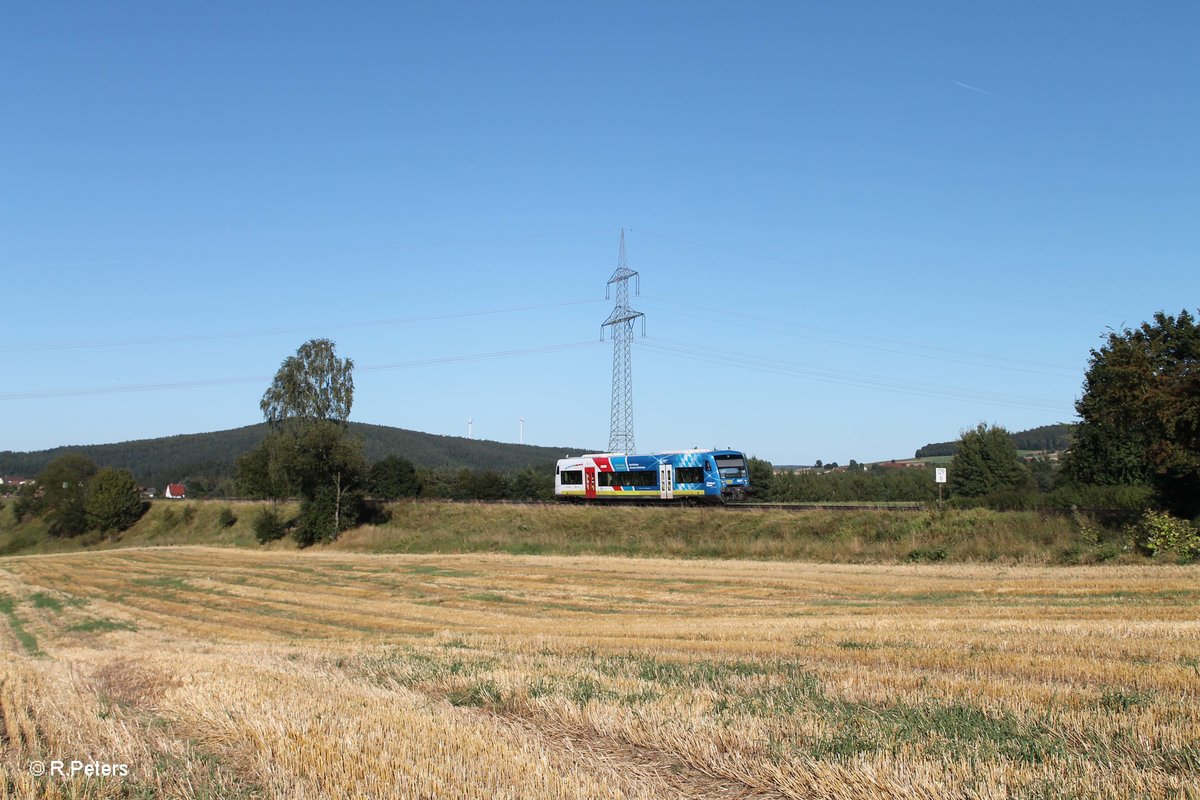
(1047, 437)
(211, 456)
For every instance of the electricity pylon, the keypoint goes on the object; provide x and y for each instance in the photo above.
(620, 432)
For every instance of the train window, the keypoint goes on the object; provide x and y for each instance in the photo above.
(647, 478)
(571, 477)
(641, 478)
(689, 475)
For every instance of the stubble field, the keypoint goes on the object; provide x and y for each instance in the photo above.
(229, 673)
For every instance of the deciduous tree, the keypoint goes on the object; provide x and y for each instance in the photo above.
(308, 451)
(312, 385)
(263, 471)
(113, 502)
(986, 462)
(394, 477)
(1140, 412)
(762, 473)
(62, 494)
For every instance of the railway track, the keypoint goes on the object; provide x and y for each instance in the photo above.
(741, 506)
(825, 506)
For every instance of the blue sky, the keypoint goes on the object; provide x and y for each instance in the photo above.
(860, 227)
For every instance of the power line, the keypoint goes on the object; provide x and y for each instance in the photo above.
(428, 362)
(847, 377)
(39, 394)
(298, 329)
(973, 360)
(928, 287)
(341, 251)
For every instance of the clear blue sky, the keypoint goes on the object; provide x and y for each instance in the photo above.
(860, 227)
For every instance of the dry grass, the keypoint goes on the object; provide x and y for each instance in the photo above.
(225, 673)
(845, 536)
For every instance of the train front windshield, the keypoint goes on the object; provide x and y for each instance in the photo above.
(731, 467)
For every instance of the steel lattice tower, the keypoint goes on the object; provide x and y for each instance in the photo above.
(620, 435)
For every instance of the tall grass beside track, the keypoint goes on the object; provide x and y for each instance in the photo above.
(835, 536)
(811, 535)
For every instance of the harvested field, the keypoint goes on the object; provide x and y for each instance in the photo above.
(233, 673)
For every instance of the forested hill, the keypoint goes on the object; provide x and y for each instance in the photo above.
(211, 456)
(1046, 437)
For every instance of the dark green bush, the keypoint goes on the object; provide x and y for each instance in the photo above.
(929, 553)
(392, 478)
(1126, 499)
(322, 518)
(112, 502)
(268, 525)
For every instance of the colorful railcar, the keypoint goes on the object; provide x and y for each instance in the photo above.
(713, 476)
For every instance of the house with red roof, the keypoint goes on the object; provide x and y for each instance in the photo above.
(175, 491)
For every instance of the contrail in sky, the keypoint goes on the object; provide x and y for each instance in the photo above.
(977, 89)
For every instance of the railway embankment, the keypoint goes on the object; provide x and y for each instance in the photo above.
(854, 535)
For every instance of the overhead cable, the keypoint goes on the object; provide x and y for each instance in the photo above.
(428, 362)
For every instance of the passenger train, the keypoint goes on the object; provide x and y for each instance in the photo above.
(711, 476)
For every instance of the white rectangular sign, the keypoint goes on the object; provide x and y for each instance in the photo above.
(939, 474)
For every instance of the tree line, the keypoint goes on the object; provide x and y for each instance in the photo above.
(73, 496)
(1136, 447)
(1048, 438)
(207, 462)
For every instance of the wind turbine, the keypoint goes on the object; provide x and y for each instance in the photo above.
(470, 422)
(522, 439)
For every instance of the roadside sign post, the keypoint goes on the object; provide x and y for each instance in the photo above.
(939, 475)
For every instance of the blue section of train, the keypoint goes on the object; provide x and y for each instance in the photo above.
(692, 475)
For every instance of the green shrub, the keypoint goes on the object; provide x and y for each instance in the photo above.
(18, 542)
(1012, 499)
(1087, 527)
(1157, 532)
(929, 553)
(226, 518)
(1101, 498)
(26, 503)
(112, 502)
(394, 477)
(322, 517)
(268, 526)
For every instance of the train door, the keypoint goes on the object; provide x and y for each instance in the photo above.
(589, 482)
(666, 482)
